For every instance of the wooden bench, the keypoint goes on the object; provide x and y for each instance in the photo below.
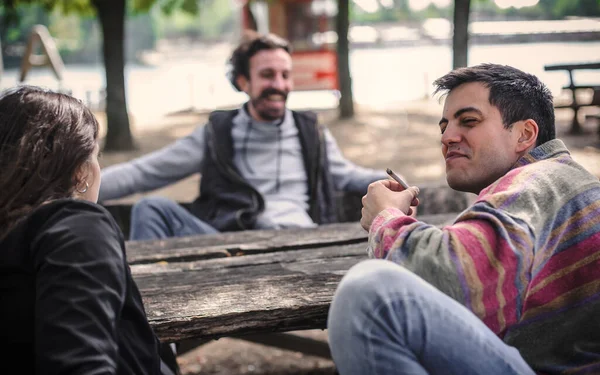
(575, 105)
(257, 285)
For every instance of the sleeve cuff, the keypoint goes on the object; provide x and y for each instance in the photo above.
(390, 218)
(388, 214)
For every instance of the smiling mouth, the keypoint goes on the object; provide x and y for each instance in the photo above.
(275, 98)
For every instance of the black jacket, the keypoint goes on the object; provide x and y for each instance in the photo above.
(69, 303)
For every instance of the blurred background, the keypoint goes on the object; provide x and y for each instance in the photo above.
(175, 50)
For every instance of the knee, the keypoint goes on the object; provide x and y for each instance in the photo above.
(370, 284)
(365, 282)
(151, 205)
(362, 291)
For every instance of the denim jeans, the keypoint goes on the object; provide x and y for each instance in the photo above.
(386, 320)
(156, 218)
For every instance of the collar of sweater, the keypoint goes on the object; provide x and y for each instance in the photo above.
(550, 149)
(243, 118)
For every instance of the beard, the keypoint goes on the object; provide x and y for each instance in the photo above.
(265, 108)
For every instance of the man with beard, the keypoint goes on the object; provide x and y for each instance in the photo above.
(262, 165)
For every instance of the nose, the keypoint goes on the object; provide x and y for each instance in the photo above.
(451, 135)
(280, 83)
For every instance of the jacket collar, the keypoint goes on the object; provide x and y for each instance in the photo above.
(548, 150)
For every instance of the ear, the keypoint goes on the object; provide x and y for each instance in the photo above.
(527, 131)
(82, 175)
(242, 83)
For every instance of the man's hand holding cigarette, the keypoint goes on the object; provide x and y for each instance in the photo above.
(387, 194)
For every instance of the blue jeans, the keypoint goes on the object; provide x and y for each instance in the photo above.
(386, 320)
(156, 218)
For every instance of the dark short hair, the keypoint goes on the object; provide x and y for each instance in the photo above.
(45, 137)
(517, 95)
(239, 62)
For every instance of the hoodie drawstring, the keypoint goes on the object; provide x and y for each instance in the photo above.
(245, 147)
(279, 155)
(279, 152)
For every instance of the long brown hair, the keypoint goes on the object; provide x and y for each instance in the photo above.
(45, 137)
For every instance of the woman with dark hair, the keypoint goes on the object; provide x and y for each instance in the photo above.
(68, 300)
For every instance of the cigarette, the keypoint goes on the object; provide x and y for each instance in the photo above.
(397, 178)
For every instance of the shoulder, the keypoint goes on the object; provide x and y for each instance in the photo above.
(540, 189)
(68, 209)
(309, 122)
(75, 221)
(307, 116)
(221, 116)
(518, 184)
(541, 177)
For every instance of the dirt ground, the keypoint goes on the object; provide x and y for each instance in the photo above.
(405, 138)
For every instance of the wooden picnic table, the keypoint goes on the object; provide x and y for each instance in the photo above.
(257, 285)
(575, 105)
(573, 66)
(246, 283)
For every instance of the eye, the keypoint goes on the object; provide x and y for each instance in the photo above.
(468, 121)
(443, 128)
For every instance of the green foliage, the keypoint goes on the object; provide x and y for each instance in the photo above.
(215, 17)
(72, 23)
(167, 6)
(85, 7)
(28, 16)
(560, 8)
(82, 7)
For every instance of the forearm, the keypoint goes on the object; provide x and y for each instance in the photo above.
(481, 260)
(347, 175)
(358, 178)
(137, 176)
(160, 168)
(422, 248)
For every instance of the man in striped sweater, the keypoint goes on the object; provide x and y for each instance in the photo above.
(513, 285)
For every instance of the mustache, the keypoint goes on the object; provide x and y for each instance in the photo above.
(271, 91)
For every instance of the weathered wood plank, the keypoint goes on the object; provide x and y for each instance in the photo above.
(273, 291)
(281, 291)
(221, 245)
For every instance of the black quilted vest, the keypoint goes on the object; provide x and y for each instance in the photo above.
(229, 203)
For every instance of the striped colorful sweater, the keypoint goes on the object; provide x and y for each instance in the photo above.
(524, 258)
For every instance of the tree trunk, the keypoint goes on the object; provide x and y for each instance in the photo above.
(460, 39)
(111, 15)
(1, 58)
(343, 63)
